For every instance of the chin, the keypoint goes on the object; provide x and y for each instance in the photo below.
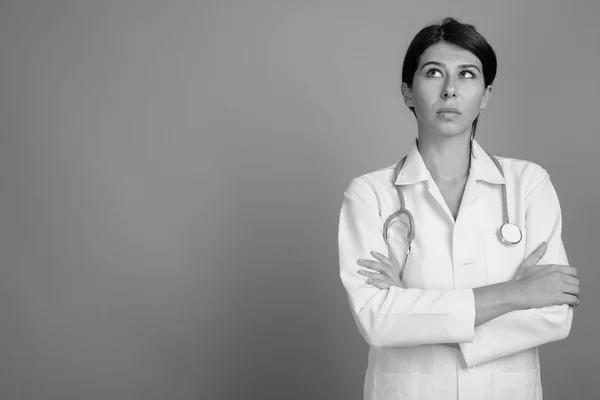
(452, 130)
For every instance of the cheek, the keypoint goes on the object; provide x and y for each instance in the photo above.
(473, 102)
(425, 98)
(423, 109)
(473, 93)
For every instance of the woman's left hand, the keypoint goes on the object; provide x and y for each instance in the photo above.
(386, 274)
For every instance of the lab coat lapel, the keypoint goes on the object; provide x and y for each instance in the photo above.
(414, 171)
(482, 171)
(482, 168)
(435, 192)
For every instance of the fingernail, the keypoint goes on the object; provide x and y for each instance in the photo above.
(374, 252)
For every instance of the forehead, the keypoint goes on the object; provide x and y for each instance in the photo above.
(449, 55)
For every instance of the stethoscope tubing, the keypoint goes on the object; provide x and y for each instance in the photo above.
(411, 223)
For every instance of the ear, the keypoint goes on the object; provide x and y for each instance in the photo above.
(486, 97)
(407, 94)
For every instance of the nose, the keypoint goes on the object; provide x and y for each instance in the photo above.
(449, 90)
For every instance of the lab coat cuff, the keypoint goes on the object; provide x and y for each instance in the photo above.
(475, 355)
(461, 327)
(468, 297)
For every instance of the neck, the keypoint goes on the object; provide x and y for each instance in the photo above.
(448, 159)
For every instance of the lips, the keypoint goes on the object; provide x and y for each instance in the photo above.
(448, 110)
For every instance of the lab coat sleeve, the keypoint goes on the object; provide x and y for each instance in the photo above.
(520, 330)
(396, 316)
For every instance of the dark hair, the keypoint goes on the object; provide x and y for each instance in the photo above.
(456, 33)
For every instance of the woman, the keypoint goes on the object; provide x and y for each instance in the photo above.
(462, 315)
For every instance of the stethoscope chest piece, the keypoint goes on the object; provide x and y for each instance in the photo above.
(510, 233)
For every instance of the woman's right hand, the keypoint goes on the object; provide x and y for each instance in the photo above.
(545, 285)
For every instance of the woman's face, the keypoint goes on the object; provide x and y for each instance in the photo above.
(448, 90)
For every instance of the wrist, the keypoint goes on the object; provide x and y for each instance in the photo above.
(514, 295)
(494, 300)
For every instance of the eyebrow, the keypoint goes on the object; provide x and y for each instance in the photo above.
(461, 66)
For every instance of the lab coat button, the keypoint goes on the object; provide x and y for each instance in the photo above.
(471, 369)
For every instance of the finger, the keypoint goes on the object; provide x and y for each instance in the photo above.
(371, 275)
(569, 299)
(393, 270)
(376, 276)
(375, 265)
(535, 256)
(571, 280)
(557, 268)
(568, 270)
(384, 282)
(378, 283)
(570, 289)
(382, 258)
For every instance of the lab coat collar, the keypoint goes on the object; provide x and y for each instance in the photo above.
(483, 168)
(414, 169)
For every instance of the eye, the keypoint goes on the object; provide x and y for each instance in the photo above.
(465, 73)
(434, 72)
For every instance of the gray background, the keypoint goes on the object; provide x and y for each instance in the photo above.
(171, 174)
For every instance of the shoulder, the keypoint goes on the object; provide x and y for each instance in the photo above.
(370, 186)
(527, 175)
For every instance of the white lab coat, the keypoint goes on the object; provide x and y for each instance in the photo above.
(404, 327)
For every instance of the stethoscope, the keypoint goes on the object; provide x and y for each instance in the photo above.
(509, 233)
